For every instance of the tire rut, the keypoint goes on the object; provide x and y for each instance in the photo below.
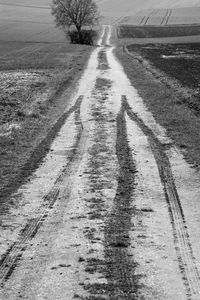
(38, 154)
(122, 282)
(166, 17)
(147, 18)
(183, 247)
(10, 259)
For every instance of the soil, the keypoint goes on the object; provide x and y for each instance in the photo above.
(173, 102)
(179, 61)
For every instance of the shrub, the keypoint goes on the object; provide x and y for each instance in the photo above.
(86, 37)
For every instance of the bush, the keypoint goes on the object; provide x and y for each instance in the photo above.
(87, 37)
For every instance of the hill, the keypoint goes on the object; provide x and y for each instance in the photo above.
(113, 9)
(28, 21)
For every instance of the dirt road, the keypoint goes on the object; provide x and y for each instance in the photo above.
(112, 211)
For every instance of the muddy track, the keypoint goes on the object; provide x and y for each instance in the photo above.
(119, 265)
(102, 59)
(14, 253)
(39, 153)
(186, 260)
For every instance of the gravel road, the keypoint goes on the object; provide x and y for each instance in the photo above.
(112, 210)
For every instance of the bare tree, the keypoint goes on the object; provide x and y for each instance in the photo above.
(75, 12)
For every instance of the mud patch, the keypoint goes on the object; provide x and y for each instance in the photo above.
(103, 84)
(117, 267)
(103, 61)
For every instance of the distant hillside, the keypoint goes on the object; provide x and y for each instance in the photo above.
(28, 21)
(131, 7)
(38, 3)
(167, 16)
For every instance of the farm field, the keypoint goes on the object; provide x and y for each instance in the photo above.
(36, 80)
(37, 64)
(165, 16)
(133, 12)
(28, 21)
(129, 31)
(166, 76)
(179, 61)
(159, 40)
(37, 3)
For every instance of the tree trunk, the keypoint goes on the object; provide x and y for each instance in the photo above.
(79, 34)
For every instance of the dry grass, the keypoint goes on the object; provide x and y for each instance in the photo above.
(35, 71)
(20, 55)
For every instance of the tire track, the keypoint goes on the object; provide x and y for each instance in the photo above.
(186, 259)
(122, 282)
(14, 253)
(36, 157)
(116, 21)
(145, 20)
(166, 17)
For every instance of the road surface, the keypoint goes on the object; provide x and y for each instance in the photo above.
(112, 210)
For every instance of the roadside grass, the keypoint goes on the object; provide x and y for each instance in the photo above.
(181, 62)
(38, 55)
(166, 103)
(130, 31)
(36, 81)
(32, 71)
